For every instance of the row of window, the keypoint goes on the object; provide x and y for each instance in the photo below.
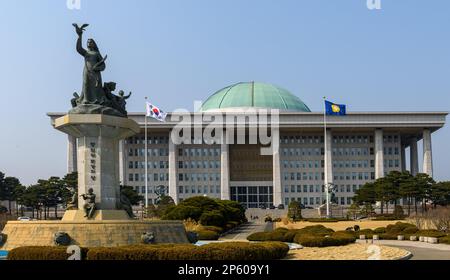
(316, 176)
(304, 189)
(302, 151)
(199, 164)
(150, 140)
(199, 177)
(150, 152)
(364, 163)
(354, 176)
(340, 151)
(301, 139)
(150, 189)
(318, 188)
(317, 200)
(150, 164)
(352, 151)
(303, 164)
(199, 152)
(305, 176)
(286, 164)
(347, 139)
(353, 163)
(156, 177)
(199, 189)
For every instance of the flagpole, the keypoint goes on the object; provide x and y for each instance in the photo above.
(327, 192)
(146, 156)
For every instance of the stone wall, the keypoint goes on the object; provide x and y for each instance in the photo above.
(92, 233)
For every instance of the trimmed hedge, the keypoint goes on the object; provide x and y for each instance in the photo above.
(391, 232)
(399, 227)
(445, 239)
(430, 233)
(207, 235)
(379, 230)
(275, 235)
(311, 236)
(316, 230)
(42, 253)
(212, 228)
(335, 239)
(232, 251)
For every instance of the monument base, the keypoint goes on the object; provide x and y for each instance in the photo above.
(91, 233)
(99, 215)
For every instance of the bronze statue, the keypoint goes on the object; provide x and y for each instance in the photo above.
(95, 97)
(94, 64)
(89, 205)
(125, 204)
(73, 203)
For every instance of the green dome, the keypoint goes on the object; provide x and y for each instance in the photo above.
(256, 95)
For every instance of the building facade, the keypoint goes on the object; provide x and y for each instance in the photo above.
(360, 147)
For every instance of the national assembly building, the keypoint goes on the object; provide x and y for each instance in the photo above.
(350, 151)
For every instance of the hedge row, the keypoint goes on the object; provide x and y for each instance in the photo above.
(311, 236)
(41, 253)
(391, 232)
(445, 239)
(207, 235)
(335, 239)
(231, 251)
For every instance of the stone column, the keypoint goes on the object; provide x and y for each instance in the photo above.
(379, 156)
(403, 156)
(98, 160)
(225, 166)
(427, 153)
(414, 161)
(71, 154)
(173, 190)
(277, 195)
(122, 162)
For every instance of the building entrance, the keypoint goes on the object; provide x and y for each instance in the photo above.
(252, 196)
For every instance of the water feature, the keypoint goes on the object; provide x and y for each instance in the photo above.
(3, 255)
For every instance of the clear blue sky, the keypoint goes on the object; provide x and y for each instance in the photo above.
(177, 51)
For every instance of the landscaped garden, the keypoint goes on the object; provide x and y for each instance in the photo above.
(207, 217)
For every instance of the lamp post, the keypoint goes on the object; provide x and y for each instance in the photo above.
(329, 188)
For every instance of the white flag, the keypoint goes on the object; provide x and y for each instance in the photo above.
(155, 112)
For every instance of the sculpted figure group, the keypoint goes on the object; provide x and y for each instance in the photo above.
(96, 97)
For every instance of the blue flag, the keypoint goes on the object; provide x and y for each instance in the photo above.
(334, 109)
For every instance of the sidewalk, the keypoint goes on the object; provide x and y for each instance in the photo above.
(407, 243)
(241, 233)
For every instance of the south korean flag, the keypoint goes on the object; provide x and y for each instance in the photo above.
(155, 112)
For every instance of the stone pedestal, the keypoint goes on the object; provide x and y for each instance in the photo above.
(98, 139)
(92, 233)
(99, 215)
